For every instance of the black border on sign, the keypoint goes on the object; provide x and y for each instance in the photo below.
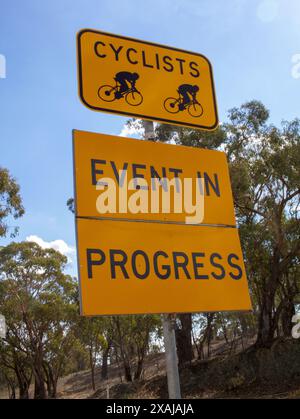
(147, 117)
(75, 221)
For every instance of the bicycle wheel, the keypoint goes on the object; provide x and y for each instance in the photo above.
(171, 105)
(106, 93)
(134, 98)
(195, 109)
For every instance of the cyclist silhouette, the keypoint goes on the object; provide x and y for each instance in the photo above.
(124, 88)
(126, 81)
(186, 100)
(188, 93)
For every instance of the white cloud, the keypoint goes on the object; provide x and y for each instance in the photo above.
(59, 245)
(135, 130)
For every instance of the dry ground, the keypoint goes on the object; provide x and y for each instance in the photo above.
(201, 379)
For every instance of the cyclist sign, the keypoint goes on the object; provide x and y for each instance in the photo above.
(136, 78)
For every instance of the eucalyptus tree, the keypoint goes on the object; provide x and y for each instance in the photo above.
(10, 201)
(264, 163)
(37, 299)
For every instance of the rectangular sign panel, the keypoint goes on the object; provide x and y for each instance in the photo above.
(139, 267)
(141, 79)
(100, 158)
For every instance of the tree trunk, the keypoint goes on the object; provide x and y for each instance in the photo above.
(54, 388)
(104, 367)
(266, 329)
(127, 371)
(23, 383)
(11, 387)
(51, 381)
(224, 328)
(139, 369)
(267, 322)
(286, 318)
(92, 366)
(140, 362)
(93, 378)
(39, 374)
(23, 390)
(12, 392)
(206, 335)
(209, 338)
(39, 386)
(125, 360)
(39, 383)
(184, 339)
(47, 380)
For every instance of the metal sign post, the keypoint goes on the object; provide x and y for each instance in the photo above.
(171, 356)
(168, 323)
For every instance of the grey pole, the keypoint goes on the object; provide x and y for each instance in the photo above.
(168, 323)
(149, 130)
(171, 357)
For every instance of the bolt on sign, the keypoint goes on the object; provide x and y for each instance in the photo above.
(145, 80)
(138, 170)
(140, 261)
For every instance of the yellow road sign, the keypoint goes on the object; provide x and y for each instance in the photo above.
(151, 81)
(139, 267)
(99, 156)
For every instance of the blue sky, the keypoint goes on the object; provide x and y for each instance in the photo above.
(249, 42)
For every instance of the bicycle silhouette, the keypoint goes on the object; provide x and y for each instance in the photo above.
(172, 105)
(110, 93)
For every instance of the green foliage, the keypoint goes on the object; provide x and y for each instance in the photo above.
(71, 205)
(10, 201)
(131, 338)
(37, 299)
(264, 166)
(47, 338)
